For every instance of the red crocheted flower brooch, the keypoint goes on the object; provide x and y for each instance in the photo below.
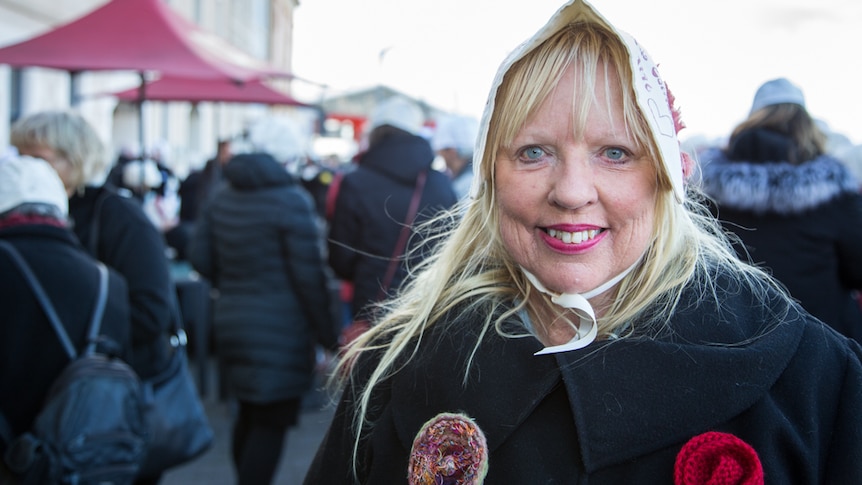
(450, 449)
(715, 458)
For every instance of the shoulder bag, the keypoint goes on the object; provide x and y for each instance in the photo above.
(178, 425)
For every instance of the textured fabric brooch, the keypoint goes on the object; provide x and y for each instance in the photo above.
(715, 458)
(450, 449)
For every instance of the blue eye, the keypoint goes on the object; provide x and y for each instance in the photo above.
(534, 153)
(615, 153)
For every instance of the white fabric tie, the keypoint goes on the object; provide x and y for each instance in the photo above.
(577, 302)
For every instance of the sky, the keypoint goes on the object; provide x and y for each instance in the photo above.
(713, 54)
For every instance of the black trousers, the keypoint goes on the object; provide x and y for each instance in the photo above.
(259, 435)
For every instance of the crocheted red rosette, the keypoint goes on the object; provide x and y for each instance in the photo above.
(715, 458)
(450, 449)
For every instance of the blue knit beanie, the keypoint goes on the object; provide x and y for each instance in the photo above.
(777, 91)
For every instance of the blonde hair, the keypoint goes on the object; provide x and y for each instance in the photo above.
(471, 268)
(68, 134)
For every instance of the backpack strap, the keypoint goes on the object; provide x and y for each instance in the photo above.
(6, 435)
(42, 297)
(99, 310)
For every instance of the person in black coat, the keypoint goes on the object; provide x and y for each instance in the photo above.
(33, 219)
(587, 320)
(113, 228)
(796, 210)
(369, 230)
(194, 192)
(258, 243)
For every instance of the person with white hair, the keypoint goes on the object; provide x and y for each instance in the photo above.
(392, 189)
(34, 221)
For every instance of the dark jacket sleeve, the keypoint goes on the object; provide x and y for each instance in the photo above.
(303, 252)
(200, 250)
(345, 231)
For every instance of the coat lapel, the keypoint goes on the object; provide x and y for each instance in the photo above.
(634, 396)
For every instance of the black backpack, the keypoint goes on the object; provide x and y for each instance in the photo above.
(91, 428)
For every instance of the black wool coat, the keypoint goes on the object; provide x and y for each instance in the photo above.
(370, 210)
(31, 355)
(259, 244)
(116, 231)
(619, 411)
(801, 222)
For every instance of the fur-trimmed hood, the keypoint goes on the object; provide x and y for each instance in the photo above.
(774, 187)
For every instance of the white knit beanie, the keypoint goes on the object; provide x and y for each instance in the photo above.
(458, 132)
(399, 112)
(30, 180)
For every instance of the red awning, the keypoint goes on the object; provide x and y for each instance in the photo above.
(139, 35)
(170, 88)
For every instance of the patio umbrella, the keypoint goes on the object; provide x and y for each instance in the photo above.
(171, 88)
(138, 35)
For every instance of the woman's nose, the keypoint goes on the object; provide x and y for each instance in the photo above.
(573, 185)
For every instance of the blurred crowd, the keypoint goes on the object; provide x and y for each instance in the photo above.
(265, 232)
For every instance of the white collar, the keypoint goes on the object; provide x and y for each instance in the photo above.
(577, 302)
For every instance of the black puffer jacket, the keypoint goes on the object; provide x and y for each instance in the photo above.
(803, 222)
(259, 244)
(371, 207)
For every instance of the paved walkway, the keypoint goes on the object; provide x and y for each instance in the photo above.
(214, 467)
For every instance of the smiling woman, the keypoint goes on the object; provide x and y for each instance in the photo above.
(576, 200)
(586, 319)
